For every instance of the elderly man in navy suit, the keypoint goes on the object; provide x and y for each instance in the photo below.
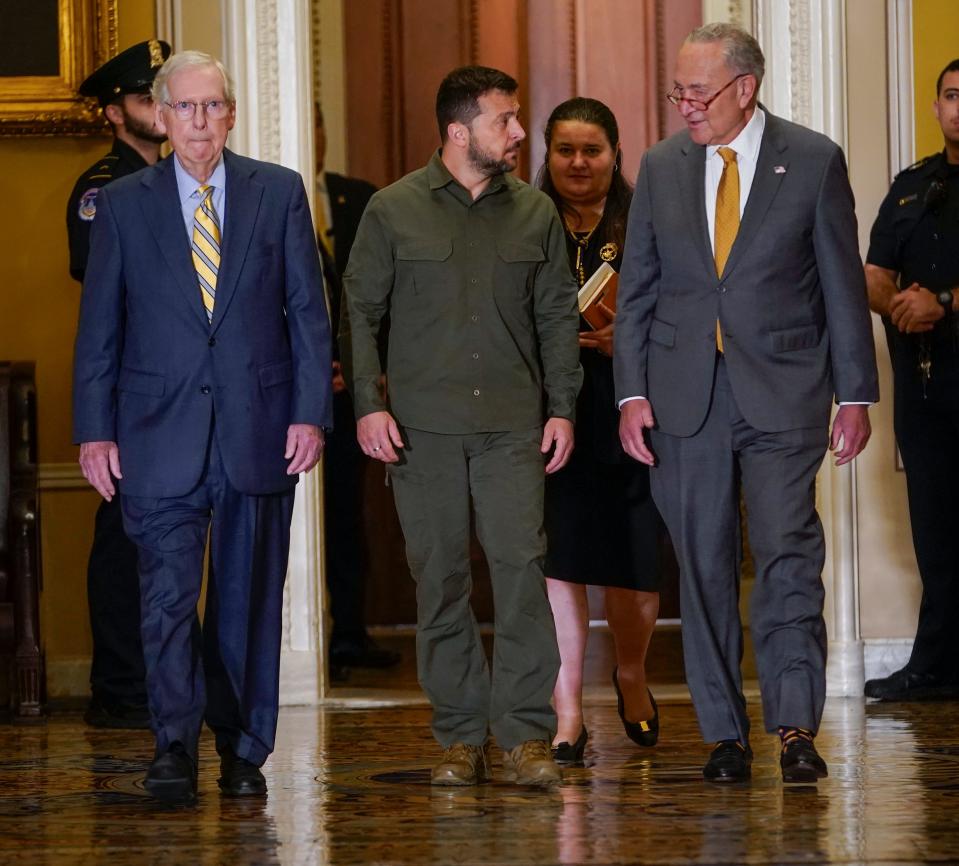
(201, 391)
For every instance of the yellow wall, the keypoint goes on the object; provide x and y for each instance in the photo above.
(935, 25)
(38, 309)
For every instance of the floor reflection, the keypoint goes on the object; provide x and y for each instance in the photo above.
(351, 786)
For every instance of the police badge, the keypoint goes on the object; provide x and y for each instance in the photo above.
(88, 204)
(609, 252)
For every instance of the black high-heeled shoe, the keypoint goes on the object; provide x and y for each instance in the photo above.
(571, 755)
(642, 733)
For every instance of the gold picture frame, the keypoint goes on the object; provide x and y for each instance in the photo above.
(32, 104)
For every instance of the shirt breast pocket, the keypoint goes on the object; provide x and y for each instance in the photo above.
(421, 264)
(516, 266)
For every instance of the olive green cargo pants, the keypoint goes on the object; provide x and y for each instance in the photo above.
(501, 474)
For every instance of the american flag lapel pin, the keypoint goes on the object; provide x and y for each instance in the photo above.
(779, 169)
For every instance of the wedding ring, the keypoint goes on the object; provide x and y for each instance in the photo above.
(377, 448)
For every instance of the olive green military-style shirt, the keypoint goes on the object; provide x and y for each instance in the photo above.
(481, 302)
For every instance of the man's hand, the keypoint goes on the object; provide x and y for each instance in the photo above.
(558, 437)
(379, 436)
(915, 310)
(100, 463)
(635, 418)
(601, 340)
(852, 429)
(304, 445)
(339, 383)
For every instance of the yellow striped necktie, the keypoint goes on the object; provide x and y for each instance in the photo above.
(206, 248)
(727, 218)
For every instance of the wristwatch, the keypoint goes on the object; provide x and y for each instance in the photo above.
(945, 299)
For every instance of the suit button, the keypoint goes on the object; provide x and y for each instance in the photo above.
(722, 290)
(212, 341)
(205, 389)
(476, 392)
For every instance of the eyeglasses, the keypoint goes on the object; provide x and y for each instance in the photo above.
(675, 96)
(214, 109)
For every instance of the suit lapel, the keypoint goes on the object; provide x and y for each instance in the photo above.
(243, 195)
(766, 183)
(162, 213)
(692, 179)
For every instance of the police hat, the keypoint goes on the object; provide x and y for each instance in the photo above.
(131, 71)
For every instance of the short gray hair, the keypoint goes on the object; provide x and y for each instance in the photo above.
(740, 50)
(189, 60)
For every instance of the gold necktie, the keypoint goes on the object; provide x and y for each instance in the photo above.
(727, 218)
(322, 229)
(206, 248)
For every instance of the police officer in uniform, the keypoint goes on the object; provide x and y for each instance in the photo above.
(912, 271)
(122, 86)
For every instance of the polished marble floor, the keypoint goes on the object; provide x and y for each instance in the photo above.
(350, 786)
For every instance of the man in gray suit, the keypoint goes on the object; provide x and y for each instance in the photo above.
(742, 314)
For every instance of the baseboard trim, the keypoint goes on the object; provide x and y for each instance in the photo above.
(885, 655)
(68, 678)
(300, 683)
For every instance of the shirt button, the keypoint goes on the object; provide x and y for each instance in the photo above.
(933, 266)
(476, 392)
(205, 389)
(935, 236)
(473, 281)
(472, 243)
(475, 356)
(474, 318)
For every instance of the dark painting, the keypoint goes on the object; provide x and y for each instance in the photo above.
(29, 38)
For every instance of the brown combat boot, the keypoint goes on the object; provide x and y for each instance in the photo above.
(531, 763)
(462, 764)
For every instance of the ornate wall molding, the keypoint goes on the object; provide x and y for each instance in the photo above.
(268, 87)
(799, 56)
(266, 42)
(902, 149)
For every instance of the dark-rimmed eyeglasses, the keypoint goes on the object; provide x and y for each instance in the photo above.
(214, 109)
(676, 96)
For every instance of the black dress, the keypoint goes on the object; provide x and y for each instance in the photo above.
(602, 527)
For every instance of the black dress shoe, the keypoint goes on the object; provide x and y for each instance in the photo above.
(362, 652)
(800, 761)
(729, 762)
(109, 714)
(904, 685)
(566, 754)
(240, 778)
(642, 733)
(172, 776)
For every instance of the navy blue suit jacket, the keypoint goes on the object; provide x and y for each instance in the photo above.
(152, 374)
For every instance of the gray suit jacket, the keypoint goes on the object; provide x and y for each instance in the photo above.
(792, 300)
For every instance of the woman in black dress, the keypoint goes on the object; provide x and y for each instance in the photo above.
(601, 524)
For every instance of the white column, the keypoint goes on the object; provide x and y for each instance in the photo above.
(268, 50)
(803, 41)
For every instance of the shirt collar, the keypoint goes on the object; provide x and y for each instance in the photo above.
(439, 176)
(187, 185)
(747, 143)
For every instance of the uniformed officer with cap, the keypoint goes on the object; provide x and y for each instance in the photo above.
(912, 271)
(122, 86)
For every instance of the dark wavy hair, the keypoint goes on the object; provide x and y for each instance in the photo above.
(587, 110)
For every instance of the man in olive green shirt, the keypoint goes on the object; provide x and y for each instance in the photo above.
(470, 265)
